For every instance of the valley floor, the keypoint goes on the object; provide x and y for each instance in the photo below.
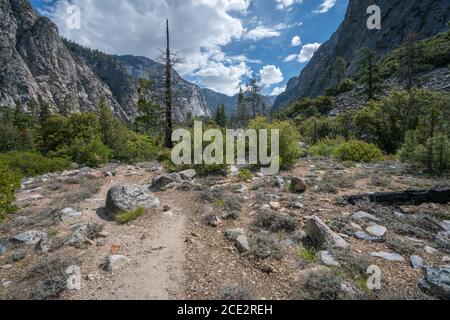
(180, 251)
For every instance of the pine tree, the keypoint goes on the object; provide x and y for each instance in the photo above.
(242, 117)
(44, 113)
(339, 70)
(254, 99)
(221, 117)
(369, 72)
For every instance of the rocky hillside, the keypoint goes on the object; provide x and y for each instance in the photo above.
(38, 66)
(399, 19)
(215, 99)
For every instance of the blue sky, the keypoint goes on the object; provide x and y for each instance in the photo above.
(221, 42)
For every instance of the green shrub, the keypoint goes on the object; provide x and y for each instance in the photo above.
(93, 154)
(290, 150)
(275, 222)
(29, 164)
(9, 182)
(324, 285)
(307, 255)
(125, 217)
(326, 147)
(358, 151)
(245, 174)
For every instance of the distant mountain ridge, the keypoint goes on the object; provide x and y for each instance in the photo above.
(400, 18)
(215, 99)
(38, 66)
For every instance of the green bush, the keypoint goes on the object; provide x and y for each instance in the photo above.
(29, 164)
(93, 153)
(290, 150)
(326, 147)
(245, 174)
(9, 182)
(358, 151)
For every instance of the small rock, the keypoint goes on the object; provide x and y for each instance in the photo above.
(30, 237)
(399, 214)
(364, 236)
(280, 183)
(7, 266)
(214, 221)
(275, 205)
(416, 262)
(321, 234)
(188, 174)
(430, 250)
(101, 242)
(2, 250)
(240, 188)
(377, 231)
(233, 234)
(388, 256)
(44, 245)
(6, 284)
(445, 259)
(436, 282)
(267, 269)
(327, 258)
(163, 181)
(115, 262)
(361, 215)
(234, 171)
(298, 185)
(445, 225)
(166, 208)
(242, 244)
(69, 214)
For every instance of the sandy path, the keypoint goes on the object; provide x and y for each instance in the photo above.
(155, 244)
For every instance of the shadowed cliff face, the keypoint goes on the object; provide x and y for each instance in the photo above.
(38, 66)
(400, 18)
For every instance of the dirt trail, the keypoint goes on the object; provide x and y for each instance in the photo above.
(155, 244)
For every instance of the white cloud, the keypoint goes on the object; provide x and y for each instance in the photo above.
(199, 29)
(278, 90)
(308, 51)
(296, 41)
(261, 32)
(325, 6)
(287, 4)
(270, 75)
(290, 58)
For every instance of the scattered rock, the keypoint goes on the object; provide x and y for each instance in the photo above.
(116, 262)
(430, 250)
(83, 235)
(361, 215)
(416, 262)
(30, 237)
(44, 245)
(280, 183)
(242, 244)
(240, 188)
(164, 180)
(2, 250)
(69, 214)
(233, 234)
(188, 174)
(436, 282)
(388, 256)
(298, 185)
(377, 231)
(275, 205)
(364, 236)
(234, 171)
(267, 269)
(327, 258)
(128, 197)
(321, 234)
(7, 266)
(445, 225)
(445, 259)
(16, 256)
(213, 221)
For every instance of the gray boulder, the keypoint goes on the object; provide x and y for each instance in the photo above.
(322, 235)
(416, 262)
(377, 231)
(361, 235)
(188, 174)
(436, 282)
(128, 197)
(164, 180)
(69, 214)
(298, 185)
(233, 234)
(388, 256)
(242, 244)
(361, 215)
(327, 258)
(31, 237)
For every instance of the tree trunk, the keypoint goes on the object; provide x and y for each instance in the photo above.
(413, 197)
(168, 92)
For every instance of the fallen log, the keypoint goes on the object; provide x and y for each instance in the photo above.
(414, 197)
